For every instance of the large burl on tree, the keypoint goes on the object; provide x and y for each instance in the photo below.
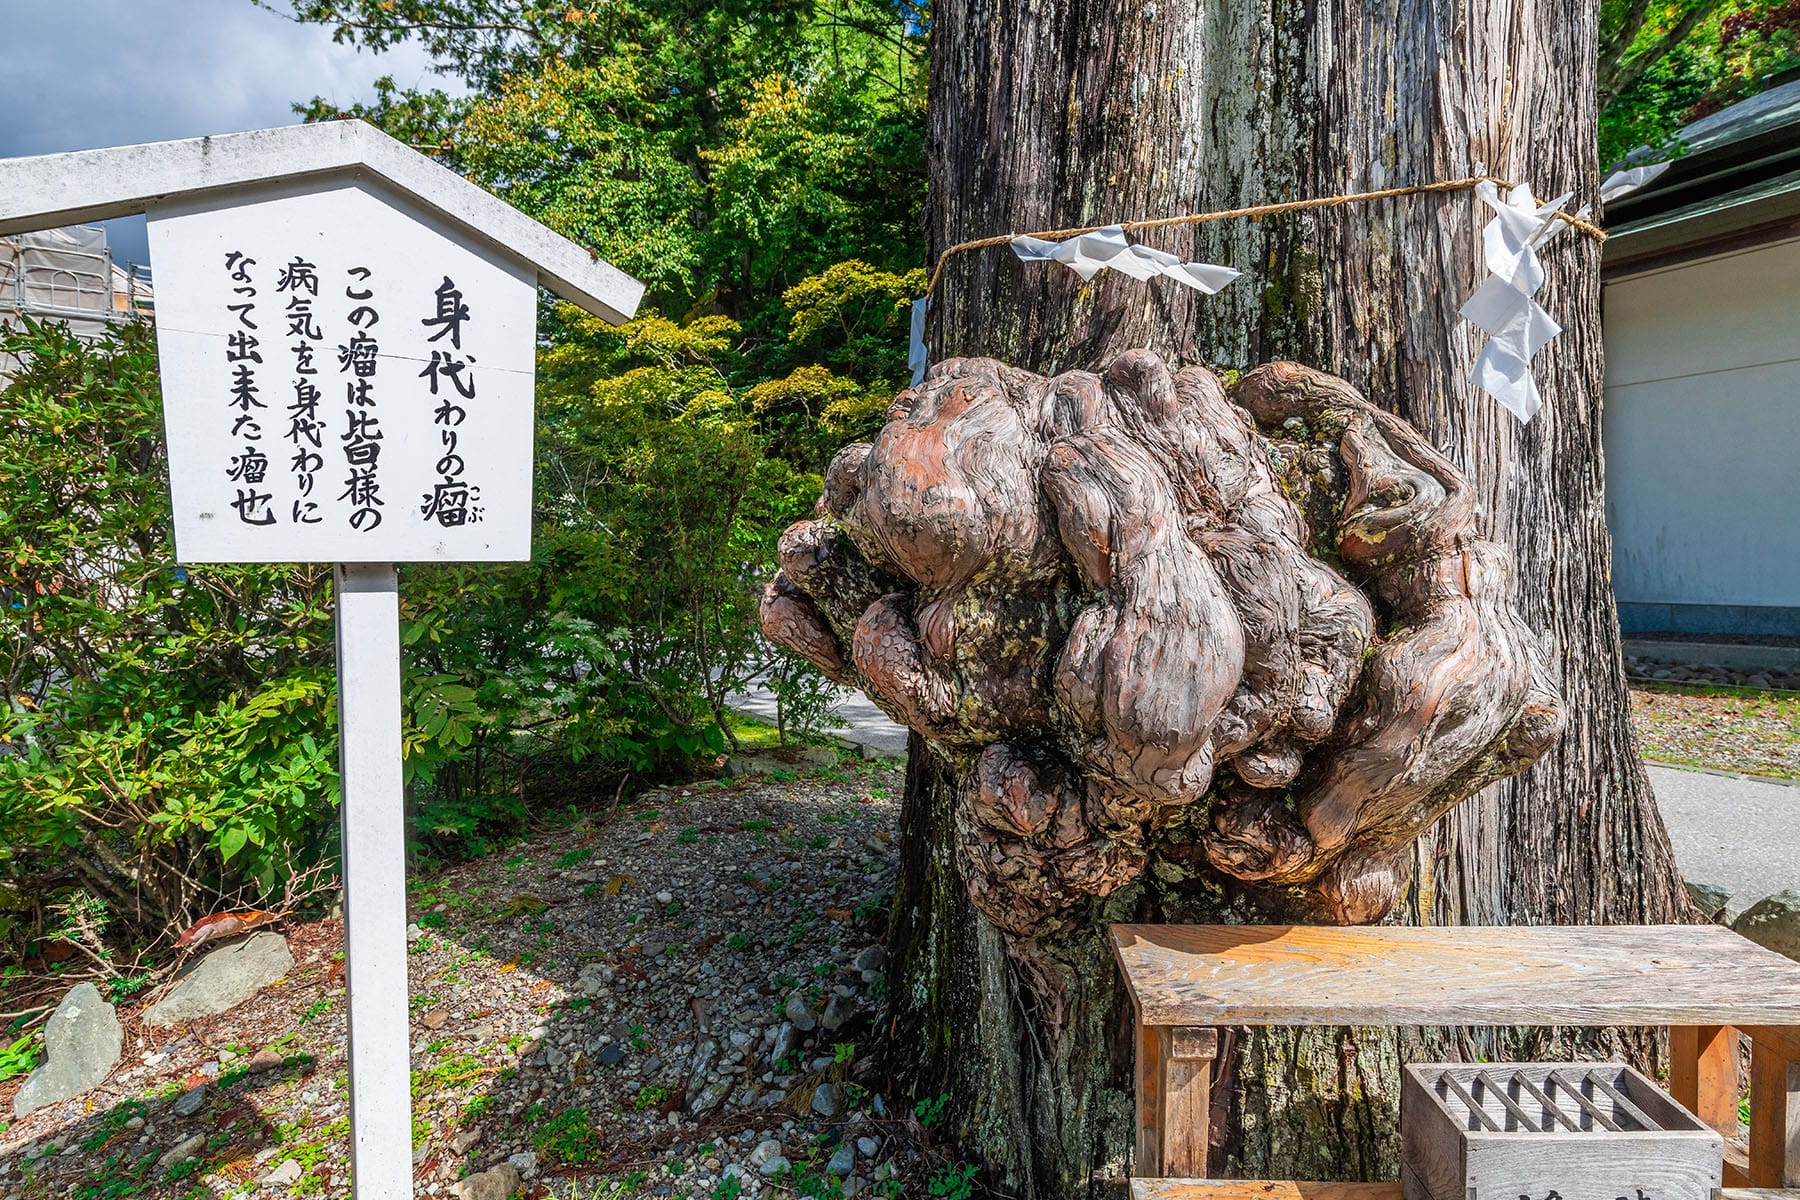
(1258, 625)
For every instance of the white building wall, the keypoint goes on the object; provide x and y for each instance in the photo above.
(1703, 443)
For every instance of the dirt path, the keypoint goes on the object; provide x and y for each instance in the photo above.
(668, 1002)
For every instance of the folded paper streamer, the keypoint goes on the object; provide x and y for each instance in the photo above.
(1517, 325)
(1623, 183)
(1091, 253)
(915, 351)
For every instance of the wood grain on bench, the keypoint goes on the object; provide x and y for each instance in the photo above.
(1458, 975)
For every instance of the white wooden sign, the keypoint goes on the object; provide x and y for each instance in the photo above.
(347, 334)
(342, 383)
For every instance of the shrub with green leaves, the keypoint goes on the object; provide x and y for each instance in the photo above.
(167, 733)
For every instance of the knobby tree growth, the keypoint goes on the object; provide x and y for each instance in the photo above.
(1095, 598)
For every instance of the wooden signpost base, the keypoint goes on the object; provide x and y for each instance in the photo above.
(374, 825)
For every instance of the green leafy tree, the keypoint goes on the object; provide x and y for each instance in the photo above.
(1662, 65)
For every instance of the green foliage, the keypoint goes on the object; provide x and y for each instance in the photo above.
(953, 1181)
(168, 735)
(1666, 64)
(569, 1137)
(721, 153)
(931, 1112)
(169, 725)
(21, 1057)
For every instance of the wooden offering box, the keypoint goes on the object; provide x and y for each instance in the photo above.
(1579, 1131)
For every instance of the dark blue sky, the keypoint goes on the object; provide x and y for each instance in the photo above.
(86, 73)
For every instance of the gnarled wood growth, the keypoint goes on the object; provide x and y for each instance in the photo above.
(1102, 599)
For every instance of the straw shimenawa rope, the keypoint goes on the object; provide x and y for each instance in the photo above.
(1254, 210)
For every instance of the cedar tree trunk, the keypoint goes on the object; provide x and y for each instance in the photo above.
(1052, 113)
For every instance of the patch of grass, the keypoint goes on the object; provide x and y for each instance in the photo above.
(1734, 729)
(569, 1138)
(113, 1123)
(116, 1178)
(575, 858)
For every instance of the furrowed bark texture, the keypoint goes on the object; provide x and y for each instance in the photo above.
(1086, 111)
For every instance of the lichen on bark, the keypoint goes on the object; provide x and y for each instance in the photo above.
(1257, 629)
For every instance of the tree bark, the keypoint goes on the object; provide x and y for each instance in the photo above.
(1050, 114)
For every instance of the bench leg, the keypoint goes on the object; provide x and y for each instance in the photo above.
(1775, 1111)
(1151, 1043)
(1187, 1100)
(1703, 1074)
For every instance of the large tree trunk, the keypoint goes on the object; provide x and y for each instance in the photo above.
(1070, 112)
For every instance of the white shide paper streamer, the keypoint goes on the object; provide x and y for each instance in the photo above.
(1623, 183)
(1502, 307)
(915, 351)
(1091, 253)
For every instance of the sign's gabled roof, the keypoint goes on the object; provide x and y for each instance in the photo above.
(95, 185)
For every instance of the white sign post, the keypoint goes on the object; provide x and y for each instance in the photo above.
(347, 335)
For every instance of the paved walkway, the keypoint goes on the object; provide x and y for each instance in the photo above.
(1740, 834)
(864, 725)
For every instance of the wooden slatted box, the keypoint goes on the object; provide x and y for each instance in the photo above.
(1585, 1131)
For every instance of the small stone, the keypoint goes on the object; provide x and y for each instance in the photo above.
(843, 1160)
(82, 1044)
(867, 1146)
(285, 1173)
(665, 897)
(224, 979)
(786, 1039)
(467, 1140)
(135, 1123)
(263, 1061)
(837, 1013)
(774, 1167)
(869, 960)
(826, 1100)
(1773, 922)
(1709, 898)
(434, 1019)
(796, 1011)
(181, 1151)
(1759, 680)
(414, 933)
(525, 1163)
(765, 1150)
(189, 1102)
(611, 1055)
(710, 1098)
(495, 1183)
(853, 1186)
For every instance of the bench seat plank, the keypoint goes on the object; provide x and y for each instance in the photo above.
(1287, 1189)
(1460, 975)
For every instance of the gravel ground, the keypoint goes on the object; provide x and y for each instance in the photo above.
(1720, 728)
(667, 1002)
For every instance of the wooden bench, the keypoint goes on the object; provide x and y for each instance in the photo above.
(1278, 1189)
(1705, 983)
